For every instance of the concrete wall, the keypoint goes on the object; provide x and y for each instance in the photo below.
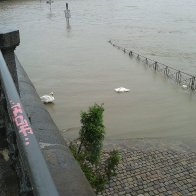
(65, 171)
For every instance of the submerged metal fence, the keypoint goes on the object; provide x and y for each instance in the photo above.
(186, 80)
(31, 157)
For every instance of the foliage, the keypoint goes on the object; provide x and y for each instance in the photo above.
(92, 133)
(111, 163)
(88, 152)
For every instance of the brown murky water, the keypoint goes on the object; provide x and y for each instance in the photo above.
(81, 68)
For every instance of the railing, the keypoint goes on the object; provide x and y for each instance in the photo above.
(31, 157)
(184, 79)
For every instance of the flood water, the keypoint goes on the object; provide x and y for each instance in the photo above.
(81, 68)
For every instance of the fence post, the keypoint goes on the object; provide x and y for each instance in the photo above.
(166, 71)
(130, 53)
(9, 40)
(179, 76)
(155, 66)
(193, 83)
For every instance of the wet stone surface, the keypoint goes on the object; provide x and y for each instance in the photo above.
(152, 168)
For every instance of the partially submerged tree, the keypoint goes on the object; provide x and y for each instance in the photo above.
(88, 152)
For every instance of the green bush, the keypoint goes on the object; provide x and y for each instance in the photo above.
(111, 163)
(88, 152)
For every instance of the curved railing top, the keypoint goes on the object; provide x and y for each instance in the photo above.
(39, 174)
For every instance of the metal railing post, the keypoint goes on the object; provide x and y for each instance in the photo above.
(155, 66)
(193, 83)
(9, 40)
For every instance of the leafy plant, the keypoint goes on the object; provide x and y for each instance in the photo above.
(88, 152)
(111, 163)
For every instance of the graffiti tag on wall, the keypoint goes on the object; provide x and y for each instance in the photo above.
(20, 121)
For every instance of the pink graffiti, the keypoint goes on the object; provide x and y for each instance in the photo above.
(21, 122)
(16, 109)
(25, 129)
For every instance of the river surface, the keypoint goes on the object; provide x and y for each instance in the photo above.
(81, 68)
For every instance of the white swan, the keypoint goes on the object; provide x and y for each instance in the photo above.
(184, 86)
(47, 98)
(121, 90)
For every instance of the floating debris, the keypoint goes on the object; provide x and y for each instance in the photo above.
(121, 90)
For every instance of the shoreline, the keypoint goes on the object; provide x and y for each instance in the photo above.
(177, 144)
